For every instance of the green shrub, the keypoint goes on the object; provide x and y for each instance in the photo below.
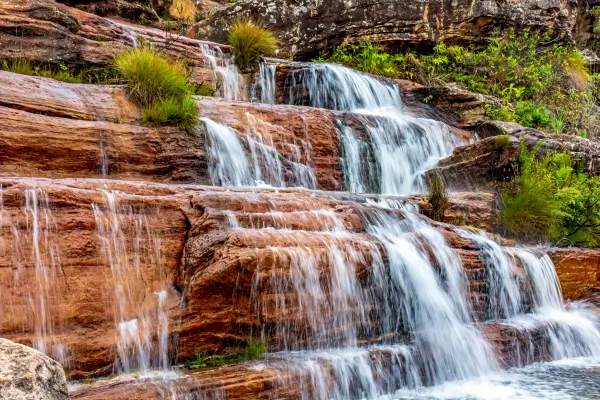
(151, 77)
(551, 200)
(160, 85)
(250, 42)
(205, 90)
(183, 113)
(438, 197)
(501, 143)
(22, 67)
(252, 352)
(532, 115)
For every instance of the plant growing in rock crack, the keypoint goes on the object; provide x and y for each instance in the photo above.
(160, 85)
(438, 197)
(252, 351)
(251, 41)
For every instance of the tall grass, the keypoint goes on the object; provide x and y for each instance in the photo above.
(151, 76)
(250, 42)
(252, 351)
(160, 85)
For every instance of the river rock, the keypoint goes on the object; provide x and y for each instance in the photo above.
(305, 27)
(27, 374)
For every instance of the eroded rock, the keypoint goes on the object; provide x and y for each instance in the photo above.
(306, 27)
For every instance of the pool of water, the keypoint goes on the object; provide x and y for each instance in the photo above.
(577, 379)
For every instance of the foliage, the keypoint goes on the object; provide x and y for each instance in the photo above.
(438, 197)
(252, 352)
(204, 90)
(150, 76)
(501, 143)
(160, 85)
(250, 42)
(534, 76)
(171, 111)
(63, 73)
(551, 200)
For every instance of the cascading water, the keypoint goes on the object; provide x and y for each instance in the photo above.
(396, 148)
(36, 268)
(127, 241)
(251, 158)
(229, 83)
(264, 90)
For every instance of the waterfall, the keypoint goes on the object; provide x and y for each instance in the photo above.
(264, 90)
(229, 83)
(252, 158)
(396, 148)
(127, 241)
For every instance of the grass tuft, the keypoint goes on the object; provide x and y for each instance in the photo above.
(171, 111)
(252, 352)
(250, 42)
(151, 77)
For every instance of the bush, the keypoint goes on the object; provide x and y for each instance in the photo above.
(551, 200)
(438, 197)
(250, 42)
(183, 113)
(252, 352)
(151, 77)
(536, 80)
(160, 85)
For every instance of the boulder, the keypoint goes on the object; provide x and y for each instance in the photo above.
(305, 27)
(27, 374)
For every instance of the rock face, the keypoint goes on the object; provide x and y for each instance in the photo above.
(27, 374)
(306, 26)
(578, 271)
(485, 164)
(206, 270)
(45, 31)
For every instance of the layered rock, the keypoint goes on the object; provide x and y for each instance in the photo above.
(207, 270)
(305, 27)
(485, 164)
(44, 31)
(27, 374)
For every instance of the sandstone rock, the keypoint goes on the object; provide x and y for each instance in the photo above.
(45, 31)
(485, 164)
(27, 374)
(578, 271)
(497, 128)
(305, 27)
(208, 268)
(130, 10)
(457, 106)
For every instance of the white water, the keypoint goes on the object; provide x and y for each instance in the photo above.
(251, 157)
(228, 83)
(396, 148)
(264, 90)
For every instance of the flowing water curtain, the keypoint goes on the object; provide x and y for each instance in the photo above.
(264, 90)
(393, 149)
(229, 83)
(34, 278)
(133, 251)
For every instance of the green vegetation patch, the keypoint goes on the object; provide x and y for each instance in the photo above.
(544, 84)
(550, 200)
(438, 197)
(251, 41)
(252, 352)
(160, 85)
(62, 72)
